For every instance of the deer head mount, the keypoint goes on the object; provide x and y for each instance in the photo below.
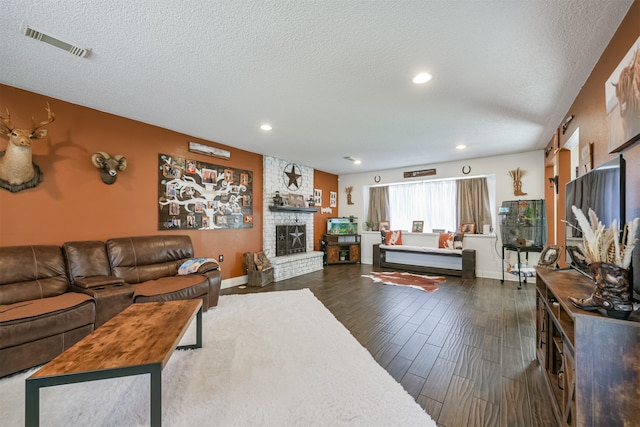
(17, 170)
(108, 166)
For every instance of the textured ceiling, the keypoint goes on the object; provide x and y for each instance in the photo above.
(333, 78)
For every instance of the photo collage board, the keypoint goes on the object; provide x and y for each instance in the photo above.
(194, 195)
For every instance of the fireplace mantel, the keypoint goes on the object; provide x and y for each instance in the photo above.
(291, 209)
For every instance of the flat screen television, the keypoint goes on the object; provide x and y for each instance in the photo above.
(601, 189)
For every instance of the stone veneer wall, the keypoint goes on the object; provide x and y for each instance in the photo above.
(292, 265)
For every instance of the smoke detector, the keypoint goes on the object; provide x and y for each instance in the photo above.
(46, 38)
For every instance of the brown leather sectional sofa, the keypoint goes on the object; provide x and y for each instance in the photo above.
(51, 297)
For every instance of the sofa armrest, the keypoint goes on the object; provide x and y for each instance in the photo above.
(215, 280)
(97, 281)
(468, 263)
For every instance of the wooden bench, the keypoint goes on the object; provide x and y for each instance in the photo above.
(451, 262)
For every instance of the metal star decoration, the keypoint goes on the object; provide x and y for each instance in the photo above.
(293, 177)
(296, 237)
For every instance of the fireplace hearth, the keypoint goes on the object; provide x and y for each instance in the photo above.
(291, 239)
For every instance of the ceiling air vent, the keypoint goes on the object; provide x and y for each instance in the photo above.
(38, 35)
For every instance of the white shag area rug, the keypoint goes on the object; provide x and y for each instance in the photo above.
(268, 359)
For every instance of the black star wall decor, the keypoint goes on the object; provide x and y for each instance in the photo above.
(292, 176)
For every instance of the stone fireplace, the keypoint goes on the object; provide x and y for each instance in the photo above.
(300, 257)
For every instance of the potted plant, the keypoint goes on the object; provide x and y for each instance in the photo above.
(608, 258)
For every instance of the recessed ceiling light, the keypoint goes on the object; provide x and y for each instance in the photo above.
(461, 147)
(266, 127)
(421, 78)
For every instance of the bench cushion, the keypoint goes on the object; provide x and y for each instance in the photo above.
(409, 248)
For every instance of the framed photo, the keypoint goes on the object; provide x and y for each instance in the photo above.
(384, 226)
(578, 258)
(317, 197)
(191, 166)
(333, 199)
(549, 257)
(623, 113)
(468, 227)
(417, 227)
(296, 200)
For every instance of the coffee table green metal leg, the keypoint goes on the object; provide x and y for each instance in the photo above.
(32, 404)
(156, 396)
(198, 343)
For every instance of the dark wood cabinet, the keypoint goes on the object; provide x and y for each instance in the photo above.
(342, 248)
(590, 360)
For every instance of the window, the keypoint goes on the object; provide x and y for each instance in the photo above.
(441, 204)
(433, 202)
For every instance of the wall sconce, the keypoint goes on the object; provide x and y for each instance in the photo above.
(554, 181)
(565, 125)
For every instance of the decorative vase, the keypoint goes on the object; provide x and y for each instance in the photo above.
(612, 293)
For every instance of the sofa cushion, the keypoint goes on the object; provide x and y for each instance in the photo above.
(86, 259)
(40, 318)
(143, 258)
(31, 272)
(172, 288)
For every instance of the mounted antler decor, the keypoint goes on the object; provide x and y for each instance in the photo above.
(109, 166)
(517, 175)
(17, 170)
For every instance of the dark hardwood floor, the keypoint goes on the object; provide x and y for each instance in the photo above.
(466, 352)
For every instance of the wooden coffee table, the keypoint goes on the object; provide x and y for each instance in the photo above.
(139, 340)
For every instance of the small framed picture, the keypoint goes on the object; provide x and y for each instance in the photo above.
(468, 227)
(333, 199)
(317, 197)
(296, 200)
(549, 257)
(417, 226)
(384, 226)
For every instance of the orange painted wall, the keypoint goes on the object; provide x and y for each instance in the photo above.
(590, 117)
(72, 203)
(590, 114)
(326, 182)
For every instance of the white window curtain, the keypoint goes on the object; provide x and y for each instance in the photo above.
(433, 202)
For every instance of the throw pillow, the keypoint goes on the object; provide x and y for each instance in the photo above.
(445, 241)
(457, 240)
(393, 237)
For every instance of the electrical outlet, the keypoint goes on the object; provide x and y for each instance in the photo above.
(221, 258)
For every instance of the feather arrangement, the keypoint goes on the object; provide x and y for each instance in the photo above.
(603, 244)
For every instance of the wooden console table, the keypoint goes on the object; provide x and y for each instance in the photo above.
(590, 360)
(341, 248)
(138, 340)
